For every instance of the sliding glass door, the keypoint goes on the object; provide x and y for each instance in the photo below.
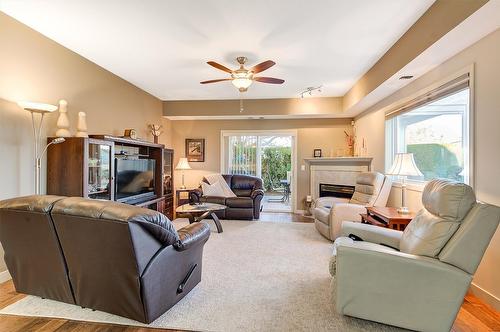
(265, 154)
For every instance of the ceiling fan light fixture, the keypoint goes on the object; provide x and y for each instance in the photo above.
(242, 82)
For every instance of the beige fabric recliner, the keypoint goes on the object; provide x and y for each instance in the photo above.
(372, 189)
(421, 281)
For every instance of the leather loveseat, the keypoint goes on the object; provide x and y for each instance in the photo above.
(103, 255)
(246, 205)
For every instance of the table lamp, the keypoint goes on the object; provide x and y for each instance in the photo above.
(42, 109)
(403, 166)
(183, 165)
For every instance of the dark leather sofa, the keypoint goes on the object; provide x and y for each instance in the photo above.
(102, 255)
(246, 205)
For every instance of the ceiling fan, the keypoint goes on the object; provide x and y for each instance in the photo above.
(242, 78)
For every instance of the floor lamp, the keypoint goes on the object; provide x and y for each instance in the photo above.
(403, 166)
(42, 109)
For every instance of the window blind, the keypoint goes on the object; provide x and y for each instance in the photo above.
(455, 85)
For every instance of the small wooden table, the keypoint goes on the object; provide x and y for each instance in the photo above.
(182, 200)
(386, 217)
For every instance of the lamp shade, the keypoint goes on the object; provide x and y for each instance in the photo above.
(37, 107)
(183, 164)
(404, 165)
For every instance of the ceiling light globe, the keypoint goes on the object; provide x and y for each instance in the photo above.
(242, 83)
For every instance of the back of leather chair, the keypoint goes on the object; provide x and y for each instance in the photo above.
(107, 246)
(367, 189)
(32, 251)
(467, 246)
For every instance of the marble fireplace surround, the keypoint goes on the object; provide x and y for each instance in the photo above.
(339, 171)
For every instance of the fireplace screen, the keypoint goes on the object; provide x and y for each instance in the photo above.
(335, 190)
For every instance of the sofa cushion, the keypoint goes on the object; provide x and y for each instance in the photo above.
(214, 199)
(446, 203)
(157, 224)
(239, 202)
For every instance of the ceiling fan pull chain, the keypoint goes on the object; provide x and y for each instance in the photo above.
(241, 103)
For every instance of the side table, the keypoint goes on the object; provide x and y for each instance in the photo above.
(386, 217)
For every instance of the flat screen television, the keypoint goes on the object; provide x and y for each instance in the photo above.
(134, 180)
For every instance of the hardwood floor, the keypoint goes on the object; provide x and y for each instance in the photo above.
(474, 316)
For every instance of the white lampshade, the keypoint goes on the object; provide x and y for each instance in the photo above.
(37, 107)
(404, 165)
(183, 164)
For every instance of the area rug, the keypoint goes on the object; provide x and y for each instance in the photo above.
(257, 276)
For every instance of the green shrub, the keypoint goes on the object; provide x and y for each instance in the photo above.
(276, 161)
(436, 160)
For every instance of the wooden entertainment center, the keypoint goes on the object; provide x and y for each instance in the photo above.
(85, 167)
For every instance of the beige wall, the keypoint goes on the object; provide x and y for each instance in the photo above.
(255, 107)
(325, 134)
(35, 68)
(484, 56)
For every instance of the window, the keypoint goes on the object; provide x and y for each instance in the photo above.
(436, 131)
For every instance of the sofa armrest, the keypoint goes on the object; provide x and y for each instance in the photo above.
(341, 212)
(191, 235)
(371, 233)
(256, 192)
(414, 292)
(195, 195)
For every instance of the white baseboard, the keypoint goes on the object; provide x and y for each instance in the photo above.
(486, 296)
(4, 276)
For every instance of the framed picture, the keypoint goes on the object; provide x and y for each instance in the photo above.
(317, 153)
(195, 149)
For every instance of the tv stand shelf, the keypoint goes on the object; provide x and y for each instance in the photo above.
(85, 167)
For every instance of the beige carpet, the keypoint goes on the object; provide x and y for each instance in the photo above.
(257, 276)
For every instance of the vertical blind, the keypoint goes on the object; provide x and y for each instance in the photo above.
(242, 155)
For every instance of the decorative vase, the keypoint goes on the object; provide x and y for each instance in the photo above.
(82, 125)
(63, 121)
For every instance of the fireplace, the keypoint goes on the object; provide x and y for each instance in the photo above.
(335, 190)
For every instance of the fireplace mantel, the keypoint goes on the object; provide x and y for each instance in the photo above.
(340, 160)
(335, 170)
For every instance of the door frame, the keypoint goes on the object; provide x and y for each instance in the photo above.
(278, 132)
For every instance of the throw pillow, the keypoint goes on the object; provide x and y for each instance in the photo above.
(212, 189)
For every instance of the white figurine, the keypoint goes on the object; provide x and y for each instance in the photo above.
(63, 121)
(81, 128)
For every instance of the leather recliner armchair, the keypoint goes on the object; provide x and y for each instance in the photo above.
(372, 189)
(103, 255)
(246, 205)
(416, 279)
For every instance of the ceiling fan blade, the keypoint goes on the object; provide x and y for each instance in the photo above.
(219, 66)
(215, 81)
(262, 66)
(271, 80)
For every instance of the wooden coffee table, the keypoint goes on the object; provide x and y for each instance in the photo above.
(198, 212)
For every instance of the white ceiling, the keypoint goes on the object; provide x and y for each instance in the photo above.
(161, 46)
